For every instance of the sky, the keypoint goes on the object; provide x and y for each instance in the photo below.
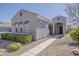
(49, 10)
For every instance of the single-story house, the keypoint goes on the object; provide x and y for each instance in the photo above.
(5, 27)
(27, 22)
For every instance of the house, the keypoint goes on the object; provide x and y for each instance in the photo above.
(5, 27)
(27, 22)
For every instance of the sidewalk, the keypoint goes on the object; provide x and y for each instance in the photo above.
(34, 51)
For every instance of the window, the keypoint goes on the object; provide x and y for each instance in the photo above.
(14, 23)
(20, 30)
(26, 22)
(20, 23)
(16, 30)
(20, 13)
(27, 29)
(58, 18)
(10, 30)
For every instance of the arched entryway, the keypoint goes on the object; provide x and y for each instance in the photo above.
(59, 28)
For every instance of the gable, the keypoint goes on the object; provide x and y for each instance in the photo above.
(60, 19)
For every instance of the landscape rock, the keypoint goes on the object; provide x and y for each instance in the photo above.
(75, 52)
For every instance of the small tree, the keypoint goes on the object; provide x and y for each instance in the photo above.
(73, 12)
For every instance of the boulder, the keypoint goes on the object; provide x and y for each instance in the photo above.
(75, 52)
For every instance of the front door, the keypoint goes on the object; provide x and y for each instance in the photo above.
(61, 30)
(50, 29)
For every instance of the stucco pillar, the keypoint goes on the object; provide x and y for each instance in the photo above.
(64, 29)
(53, 29)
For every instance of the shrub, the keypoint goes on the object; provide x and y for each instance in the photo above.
(29, 38)
(17, 37)
(24, 38)
(11, 37)
(75, 35)
(4, 36)
(14, 46)
(8, 36)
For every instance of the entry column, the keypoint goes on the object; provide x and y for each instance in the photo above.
(53, 29)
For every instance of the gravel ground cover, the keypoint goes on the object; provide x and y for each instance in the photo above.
(24, 48)
(61, 47)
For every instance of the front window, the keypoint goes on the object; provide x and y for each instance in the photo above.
(14, 23)
(27, 29)
(16, 30)
(26, 22)
(10, 30)
(58, 18)
(20, 22)
(20, 30)
(20, 13)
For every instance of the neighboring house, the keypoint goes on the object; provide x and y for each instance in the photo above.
(5, 27)
(27, 22)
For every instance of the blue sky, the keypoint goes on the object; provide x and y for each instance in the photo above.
(7, 11)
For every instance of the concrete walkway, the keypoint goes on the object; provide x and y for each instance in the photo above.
(34, 51)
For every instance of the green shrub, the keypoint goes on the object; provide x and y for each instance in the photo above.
(8, 36)
(75, 35)
(4, 36)
(29, 38)
(24, 38)
(14, 46)
(11, 37)
(17, 37)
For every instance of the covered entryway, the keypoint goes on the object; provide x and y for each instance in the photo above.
(58, 28)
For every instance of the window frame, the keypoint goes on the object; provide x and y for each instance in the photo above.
(21, 30)
(16, 30)
(21, 13)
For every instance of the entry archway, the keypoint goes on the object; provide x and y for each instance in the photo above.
(59, 28)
